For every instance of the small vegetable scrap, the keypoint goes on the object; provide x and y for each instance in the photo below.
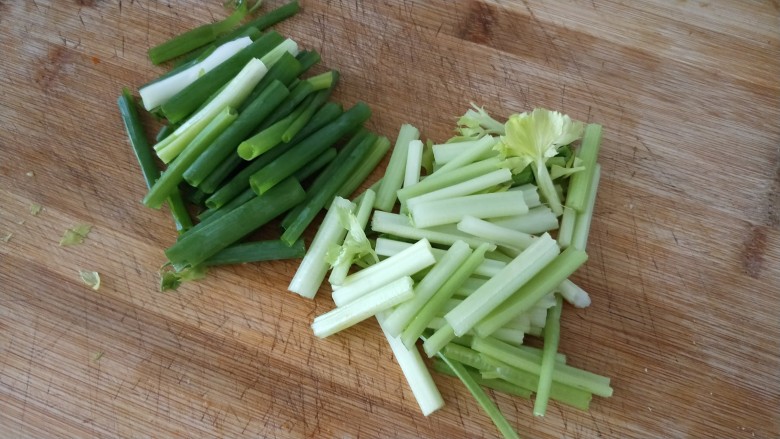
(172, 280)
(477, 259)
(91, 278)
(249, 137)
(97, 356)
(75, 235)
(35, 209)
(7, 237)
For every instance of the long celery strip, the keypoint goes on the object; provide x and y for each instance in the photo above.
(389, 247)
(442, 270)
(539, 286)
(399, 225)
(437, 301)
(480, 149)
(378, 300)
(394, 173)
(495, 384)
(313, 268)
(406, 263)
(580, 182)
(452, 210)
(538, 220)
(499, 288)
(413, 163)
(439, 181)
(552, 337)
(414, 369)
(573, 294)
(482, 398)
(468, 187)
(491, 232)
(584, 218)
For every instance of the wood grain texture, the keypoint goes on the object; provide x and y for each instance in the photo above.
(684, 265)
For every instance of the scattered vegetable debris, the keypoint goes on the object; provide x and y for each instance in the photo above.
(91, 278)
(7, 237)
(171, 280)
(35, 208)
(75, 235)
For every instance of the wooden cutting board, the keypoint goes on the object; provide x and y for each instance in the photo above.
(684, 266)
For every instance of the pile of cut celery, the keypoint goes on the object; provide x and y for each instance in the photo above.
(247, 139)
(468, 246)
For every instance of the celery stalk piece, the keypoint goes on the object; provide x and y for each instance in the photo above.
(413, 163)
(568, 395)
(480, 149)
(311, 272)
(539, 286)
(530, 193)
(158, 93)
(566, 230)
(538, 220)
(443, 335)
(552, 337)
(443, 269)
(482, 398)
(469, 286)
(406, 263)
(451, 210)
(584, 218)
(417, 375)
(341, 268)
(467, 187)
(438, 181)
(398, 225)
(502, 236)
(563, 374)
(497, 384)
(499, 288)
(394, 173)
(466, 355)
(389, 247)
(231, 96)
(580, 182)
(378, 300)
(574, 294)
(169, 181)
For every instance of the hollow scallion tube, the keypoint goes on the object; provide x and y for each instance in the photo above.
(257, 251)
(552, 336)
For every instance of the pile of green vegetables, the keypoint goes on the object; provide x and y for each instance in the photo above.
(247, 138)
(460, 255)
(465, 246)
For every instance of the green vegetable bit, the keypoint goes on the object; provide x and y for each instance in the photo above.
(75, 235)
(91, 278)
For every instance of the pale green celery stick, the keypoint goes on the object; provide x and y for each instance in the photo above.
(452, 210)
(340, 271)
(479, 149)
(564, 374)
(582, 225)
(530, 193)
(502, 236)
(574, 294)
(311, 272)
(439, 181)
(419, 322)
(494, 383)
(580, 182)
(538, 220)
(378, 300)
(559, 392)
(468, 187)
(398, 225)
(442, 270)
(552, 337)
(394, 173)
(482, 398)
(499, 288)
(413, 163)
(231, 96)
(414, 369)
(389, 247)
(566, 231)
(466, 355)
(539, 286)
(469, 286)
(403, 264)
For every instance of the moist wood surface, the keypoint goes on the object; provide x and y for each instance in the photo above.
(684, 266)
